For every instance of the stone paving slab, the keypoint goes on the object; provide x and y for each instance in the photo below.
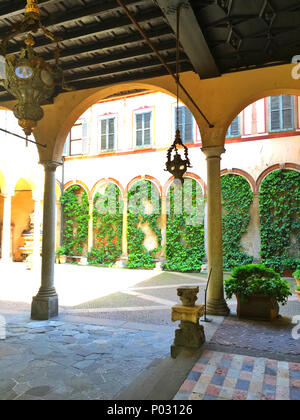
(63, 360)
(265, 336)
(226, 376)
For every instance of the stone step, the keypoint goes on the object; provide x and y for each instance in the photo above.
(162, 379)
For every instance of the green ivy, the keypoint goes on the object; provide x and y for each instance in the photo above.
(76, 220)
(279, 203)
(138, 255)
(107, 223)
(185, 250)
(236, 200)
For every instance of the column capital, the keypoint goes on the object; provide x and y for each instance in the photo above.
(50, 165)
(213, 151)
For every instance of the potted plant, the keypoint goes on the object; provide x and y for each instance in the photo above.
(298, 292)
(259, 290)
(61, 255)
(296, 275)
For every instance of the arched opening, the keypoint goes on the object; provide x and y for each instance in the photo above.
(107, 224)
(22, 220)
(75, 203)
(262, 137)
(238, 234)
(185, 233)
(143, 224)
(279, 216)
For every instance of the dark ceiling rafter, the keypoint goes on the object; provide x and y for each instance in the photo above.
(85, 31)
(98, 38)
(191, 36)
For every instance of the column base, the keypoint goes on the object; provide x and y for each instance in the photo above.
(217, 307)
(44, 308)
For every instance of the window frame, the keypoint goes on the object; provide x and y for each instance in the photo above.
(145, 110)
(193, 130)
(101, 118)
(281, 114)
(231, 136)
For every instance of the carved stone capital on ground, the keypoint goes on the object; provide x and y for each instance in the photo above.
(184, 313)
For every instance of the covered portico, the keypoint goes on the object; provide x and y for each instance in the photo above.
(220, 91)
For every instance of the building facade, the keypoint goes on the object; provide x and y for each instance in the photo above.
(103, 146)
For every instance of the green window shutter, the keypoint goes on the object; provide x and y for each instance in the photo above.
(188, 127)
(66, 150)
(275, 113)
(143, 129)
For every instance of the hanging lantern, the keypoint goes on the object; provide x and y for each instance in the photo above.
(27, 76)
(176, 165)
(30, 80)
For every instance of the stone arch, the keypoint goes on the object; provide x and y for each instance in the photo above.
(81, 184)
(107, 180)
(150, 178)
(277, 166)
(189, 175)
(256, 96)
(95, 96)
(242, 173)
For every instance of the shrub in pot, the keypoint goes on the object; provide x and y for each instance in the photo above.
(61, 255)
(258, 289)
(296, 275)
(298, 292)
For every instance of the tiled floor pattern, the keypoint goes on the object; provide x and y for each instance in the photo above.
(222, 376)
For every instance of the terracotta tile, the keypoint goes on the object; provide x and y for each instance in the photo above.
(268, 397)
(272, 363)
(199, 367)
(246, 375)
(213, 390)
(269, 379)
(187, 386)
(249, 359)
(295, 366)
(239, 395)
(295, 383)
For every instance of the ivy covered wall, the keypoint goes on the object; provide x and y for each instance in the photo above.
(279, 203)
(237, 198)
(185, 248)
(76, 220)
(107, 226)
(143, 225)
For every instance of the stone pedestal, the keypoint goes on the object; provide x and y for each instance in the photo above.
(190, 335)
(44, 308)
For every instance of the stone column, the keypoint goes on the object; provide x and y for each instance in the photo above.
(216, 304)
(45, 304)
(6, 230)
(163, 224)
(91, 226)
(124, 256)
(36, 255)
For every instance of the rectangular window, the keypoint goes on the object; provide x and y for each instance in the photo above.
(107, 134)
(234, 129)
(185, 124)
(281, 113)
(143, 129)
(77, 142)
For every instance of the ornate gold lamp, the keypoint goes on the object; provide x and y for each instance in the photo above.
(177, 165)
(28, 77)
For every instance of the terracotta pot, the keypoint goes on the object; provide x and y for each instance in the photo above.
(298, 293)
(297, 281)
(62, 259)
(258, 307)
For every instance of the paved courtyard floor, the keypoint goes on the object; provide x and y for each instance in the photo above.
(114, 323)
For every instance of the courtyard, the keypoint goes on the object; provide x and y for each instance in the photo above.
(113, 336)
